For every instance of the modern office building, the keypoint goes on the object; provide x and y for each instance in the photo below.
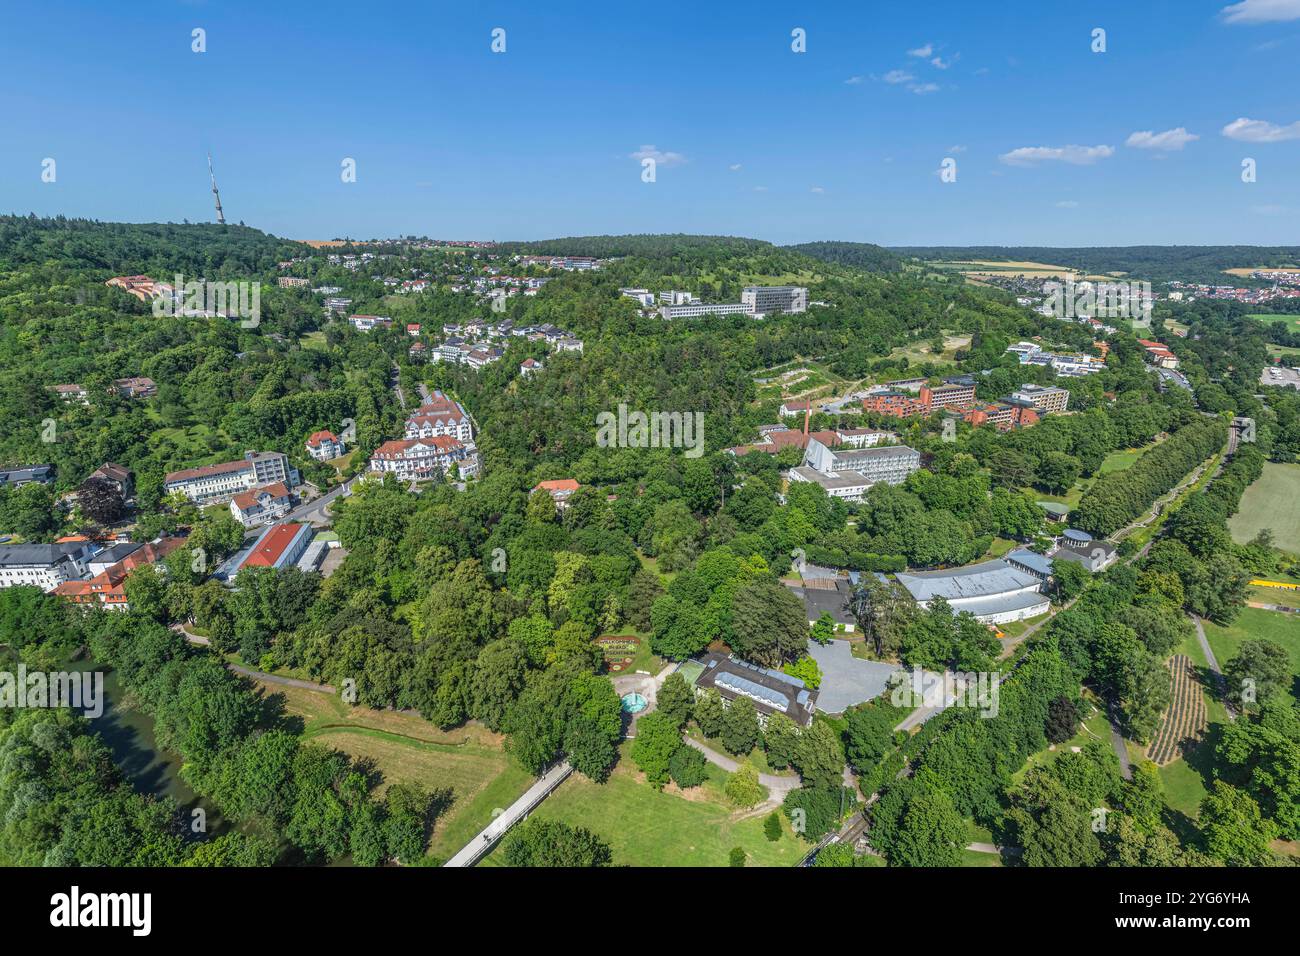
(697, 309)
(773, 299)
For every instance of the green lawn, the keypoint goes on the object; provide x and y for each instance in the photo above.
(1292, 321)
(645, 827)
(470, 761)
(1094, 727)
(1277, 626)
(1120, 460)
(1271, 502)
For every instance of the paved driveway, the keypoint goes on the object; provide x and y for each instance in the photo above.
(847, 680)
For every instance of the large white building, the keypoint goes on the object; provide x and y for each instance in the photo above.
(417, 459)
(849, 472)
(439, 416)
(996, 592)
(695, 310)
(213, 484)
(45, 566)
(771, 299)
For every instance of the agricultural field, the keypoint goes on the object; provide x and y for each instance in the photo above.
(1184, 720)
(646, 827)
(470, 760)
(1271, 502)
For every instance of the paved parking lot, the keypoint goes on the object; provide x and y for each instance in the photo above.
(1284, 376)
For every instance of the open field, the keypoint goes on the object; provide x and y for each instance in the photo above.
(1120, 460)
(645, 827)
(469, 760)
(1291, 321)
(1271, 502)
(1277, 626)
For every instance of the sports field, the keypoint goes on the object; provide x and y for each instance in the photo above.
(1272, 502)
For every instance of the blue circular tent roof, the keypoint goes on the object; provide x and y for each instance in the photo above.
(1074, 534)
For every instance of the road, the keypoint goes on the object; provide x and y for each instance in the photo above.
(315, 511)
(1213, 662)
(1121, 749)
(773, 783)
(487, 838)
(397, 386)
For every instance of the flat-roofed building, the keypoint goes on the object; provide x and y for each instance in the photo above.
(1044, 398)
(773, 299)
(697, 309)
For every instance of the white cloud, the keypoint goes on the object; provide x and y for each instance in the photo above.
(922, 51)
(922, 88)
(817, 189)
(898, 76)
(1175, 138)
(1260, 131)
(941, 64)
(853, 80)
(661, 157)
(956, 149)
(760, 189)
(1067, 204)
(734, 167)
(1261, 11)
(1075, 155)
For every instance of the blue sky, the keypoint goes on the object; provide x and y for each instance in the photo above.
(843, 141)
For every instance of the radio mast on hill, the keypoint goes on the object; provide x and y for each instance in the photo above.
(221, 217)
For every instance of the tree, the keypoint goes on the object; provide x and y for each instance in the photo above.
(823, 629)
(656, 740)
(740, 730)
(550, 843)
(806, 669)
(498, 680)
(710, 714)
(675, 699)
(932, 832)
(1062, 720)
(1235, 831)
(688, 767)
(589, 748)
(869, 734)
(1142, 797)
(819, 757)
(884, 610)
(1069, 579)
(407, 821)
(737, 856)
(642, 592)
(771, 625)
(100, 501)
(743, 788)
(780, 740)
(1260, 671)
(815, 812)
(772, 826)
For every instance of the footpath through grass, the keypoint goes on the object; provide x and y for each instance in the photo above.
(645, 827)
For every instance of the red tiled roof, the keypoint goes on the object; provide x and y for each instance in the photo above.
(271, 546)
(321, 436)
(558, 484)
(249, 499)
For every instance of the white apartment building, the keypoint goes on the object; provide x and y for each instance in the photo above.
(771, 299)
(45, 566)
(696, 310)
(261, 505)
(416, 459)
(1044, 398)
(212, 484)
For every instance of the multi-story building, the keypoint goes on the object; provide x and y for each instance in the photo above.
(772, 299)
(439, 416)
(695, 310)
(324, 445)
(862, 437)
(45, 566)
(529, 365)
(366, 323)
(214, 484)
(418, 459)
(1158, 354)
(289, 282)
(953, 391)
(894, 404)
(560, 490)
(119, 476)
(1044, 398)
(258, 506)
(106, 588)
(848, 473)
